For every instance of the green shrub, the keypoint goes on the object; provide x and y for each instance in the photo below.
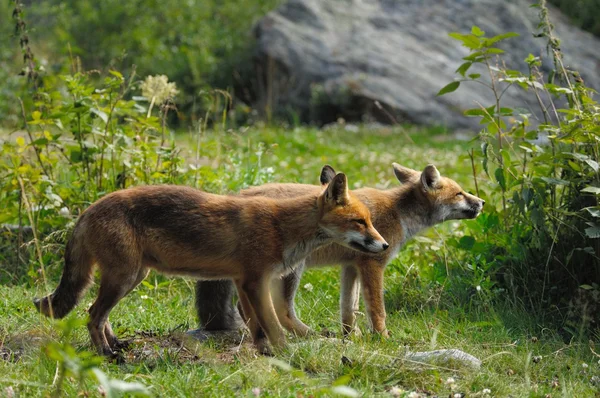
(198, 44)
(541, 241)
(85, 139)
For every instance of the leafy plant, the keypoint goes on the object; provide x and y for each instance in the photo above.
(544, 174)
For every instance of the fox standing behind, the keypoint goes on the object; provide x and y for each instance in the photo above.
(184, 231)
(423, 200)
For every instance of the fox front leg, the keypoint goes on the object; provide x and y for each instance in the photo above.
(349, 299)
(371, 275)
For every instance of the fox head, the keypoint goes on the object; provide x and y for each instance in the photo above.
(443, 196)
(345, 218)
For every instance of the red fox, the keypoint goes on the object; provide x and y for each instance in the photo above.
(423, 200)
(180, 230)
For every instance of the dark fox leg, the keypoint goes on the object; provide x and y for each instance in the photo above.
(214, 304)
(114, 343)
(113, 287)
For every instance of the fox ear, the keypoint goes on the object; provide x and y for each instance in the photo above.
(430, 178)
(337, 190)
(404, 174)
(327, 174)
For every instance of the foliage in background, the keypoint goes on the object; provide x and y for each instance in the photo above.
(199, 44)
(583, 13)
(542, 243)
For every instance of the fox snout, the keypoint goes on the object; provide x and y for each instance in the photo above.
(476, 205)
(369, 243)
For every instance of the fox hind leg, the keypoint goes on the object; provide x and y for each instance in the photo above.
(113, 287)
(114, 343)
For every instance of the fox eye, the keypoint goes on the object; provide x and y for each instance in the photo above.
(460, 194)
(360, 221)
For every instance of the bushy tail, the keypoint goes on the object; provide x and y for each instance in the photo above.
(76, 277)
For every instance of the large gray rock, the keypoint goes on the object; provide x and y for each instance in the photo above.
(330, 58)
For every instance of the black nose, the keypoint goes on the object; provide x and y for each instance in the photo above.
(482, 202)
(385, 246)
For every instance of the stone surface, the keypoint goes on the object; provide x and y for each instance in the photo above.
(447, 357)
(325, 59)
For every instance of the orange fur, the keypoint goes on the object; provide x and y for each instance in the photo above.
(423, 200)
(180, 230)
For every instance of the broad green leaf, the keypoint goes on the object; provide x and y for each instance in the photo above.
(590, 189)
(594, 211)
(593, 232)
(476, 31)
(475, 112)
(464, 68)
(449, 88)
(466, 242)
(586, 287)
(592, 163)
(474, 76)
(498, 38)
(555, 181)
(470, 41)
(499, 173)
(101, 114)
(116, 73)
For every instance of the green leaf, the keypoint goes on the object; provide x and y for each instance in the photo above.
(555, 181)
(474, 76)
(594, 211)
(586, 287)
(470, 41)
(102, 115)
(466, 242)
(116, 73)
(75, 156)
(475, 112)
(464, 68)
(590, 189)
(476, 31)
(449, 88)
(592, 163)
(498, 38)
(593, 232)
(499, 173)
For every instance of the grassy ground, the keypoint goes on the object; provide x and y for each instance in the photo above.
(520, 357)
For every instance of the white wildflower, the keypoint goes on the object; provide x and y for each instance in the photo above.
(256, 391)
(144, 297)
(486, 391)
(64, 212)
(450, 380)
(478, 288)
(585, 365)
(458, 395)
(414, 394)
(158, 89)
(396, 391)
(308, 287)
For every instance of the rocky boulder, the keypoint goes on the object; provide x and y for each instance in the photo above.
(328, 59)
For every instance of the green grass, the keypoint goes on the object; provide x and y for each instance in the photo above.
(421, 315)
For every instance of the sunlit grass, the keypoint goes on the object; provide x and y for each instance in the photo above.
(519, 357)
